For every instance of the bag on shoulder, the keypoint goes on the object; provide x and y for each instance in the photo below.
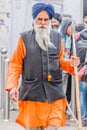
(82, 73)
(84, 76)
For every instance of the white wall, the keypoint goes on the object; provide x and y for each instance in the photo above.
(21, 19)
(74, 8)
(4, 33)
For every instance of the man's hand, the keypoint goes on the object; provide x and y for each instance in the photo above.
(14, 94)
(74, 61)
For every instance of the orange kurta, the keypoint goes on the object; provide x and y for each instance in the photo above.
(31, 113)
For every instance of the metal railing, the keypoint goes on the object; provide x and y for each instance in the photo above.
(5, 100)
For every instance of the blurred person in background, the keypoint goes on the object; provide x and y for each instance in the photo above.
(85, 22)
(81, 47)
(66, 33)
(79, 28)
(56, 21)
(39, 58)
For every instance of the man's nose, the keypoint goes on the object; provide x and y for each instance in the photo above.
(43, 22)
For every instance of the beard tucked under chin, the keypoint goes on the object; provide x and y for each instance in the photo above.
(43, 36)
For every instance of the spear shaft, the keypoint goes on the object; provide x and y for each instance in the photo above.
(77, 89)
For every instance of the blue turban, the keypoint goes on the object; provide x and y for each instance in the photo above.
(37, 8)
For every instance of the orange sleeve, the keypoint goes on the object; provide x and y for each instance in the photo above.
(15, 65)
(64, 63)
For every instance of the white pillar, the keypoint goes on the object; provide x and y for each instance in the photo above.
(74, 8)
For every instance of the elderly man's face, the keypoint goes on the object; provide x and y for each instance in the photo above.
(42, 18)
(41, 26)
(55, 23)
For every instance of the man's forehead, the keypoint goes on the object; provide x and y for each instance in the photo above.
(42, 14)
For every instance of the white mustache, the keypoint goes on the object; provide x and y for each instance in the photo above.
(42, 26)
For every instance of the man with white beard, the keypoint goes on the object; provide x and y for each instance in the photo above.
(39, 58)
(43, 36)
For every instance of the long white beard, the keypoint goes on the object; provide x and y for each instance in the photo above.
(43, 36)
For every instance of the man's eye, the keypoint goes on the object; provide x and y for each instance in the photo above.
(46, 19)
(40, 19)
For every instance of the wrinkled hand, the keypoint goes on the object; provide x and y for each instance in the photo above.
(74, 61)
(14, 94)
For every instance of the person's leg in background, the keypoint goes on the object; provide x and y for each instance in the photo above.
(65, 81)
(83, 99)
(68, 91)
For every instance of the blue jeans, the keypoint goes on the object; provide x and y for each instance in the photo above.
(83, 99)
